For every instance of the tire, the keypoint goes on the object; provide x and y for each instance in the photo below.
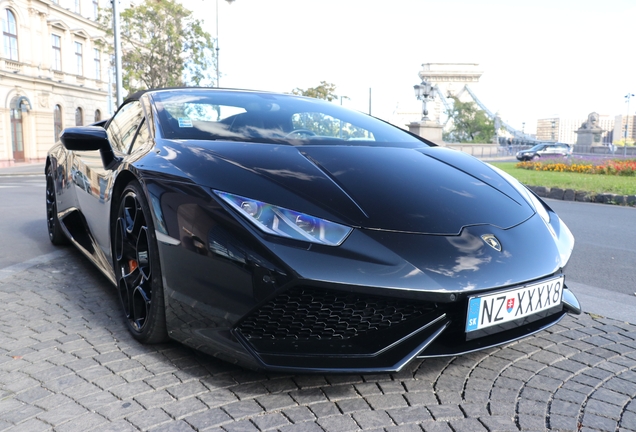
(536, 157)
(56, 233)
(137, 267)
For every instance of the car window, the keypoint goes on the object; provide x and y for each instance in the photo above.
(324, 125)
(143, 135)
(201, 114)
(123, 127)
(202, 111)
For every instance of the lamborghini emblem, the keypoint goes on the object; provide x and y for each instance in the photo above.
(492, 241)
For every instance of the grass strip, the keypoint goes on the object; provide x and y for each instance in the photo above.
(596, 183)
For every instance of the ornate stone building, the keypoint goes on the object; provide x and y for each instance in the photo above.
(53, 74)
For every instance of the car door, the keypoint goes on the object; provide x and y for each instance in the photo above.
(95, 200)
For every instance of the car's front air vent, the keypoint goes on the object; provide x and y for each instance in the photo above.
(311, 313)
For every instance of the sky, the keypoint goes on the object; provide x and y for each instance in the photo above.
(539, 58)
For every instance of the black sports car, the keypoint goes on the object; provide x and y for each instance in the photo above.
(287, 233)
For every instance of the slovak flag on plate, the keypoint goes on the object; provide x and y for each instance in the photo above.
(510, 303)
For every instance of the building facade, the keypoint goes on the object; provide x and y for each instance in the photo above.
(548, 129)
(625, 128)
(563, 130)
(53, 74)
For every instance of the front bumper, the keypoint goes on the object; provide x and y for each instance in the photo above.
(317, 330)
(372, 305)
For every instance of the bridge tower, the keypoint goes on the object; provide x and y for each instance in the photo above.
(450, 79)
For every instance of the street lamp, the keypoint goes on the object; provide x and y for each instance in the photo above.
(217, 41)
(424, 93)
(118, 66)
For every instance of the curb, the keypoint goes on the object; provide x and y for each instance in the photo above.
(582, 196)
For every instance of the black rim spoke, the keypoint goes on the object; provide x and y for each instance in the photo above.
(143, 259)
(141, 306)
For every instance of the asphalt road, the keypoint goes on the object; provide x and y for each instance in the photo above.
(22, 220)
(602, 270)
(605, 249)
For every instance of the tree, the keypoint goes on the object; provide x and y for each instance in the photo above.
(323, 91)
(319, 123)
(163, 46)
(470, 124)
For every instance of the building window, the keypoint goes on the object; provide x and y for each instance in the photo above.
(79, 69)
(95, 9)
(17, 138)
(10, 36)
(79, 117)
(56, 42)
(98, 64)
(57, 122)
(76, 6)
(98, 115)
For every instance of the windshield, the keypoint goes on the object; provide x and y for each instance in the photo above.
(210, 114)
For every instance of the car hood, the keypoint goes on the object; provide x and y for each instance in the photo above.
(417, 190)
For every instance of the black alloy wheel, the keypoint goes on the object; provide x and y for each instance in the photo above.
(56, 233)
(137, 267)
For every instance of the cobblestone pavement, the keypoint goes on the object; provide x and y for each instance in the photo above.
(67, 363)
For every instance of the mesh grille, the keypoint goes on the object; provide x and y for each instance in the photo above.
(310, 313)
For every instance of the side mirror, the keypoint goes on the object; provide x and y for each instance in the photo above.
(89, 138)
(84, 138)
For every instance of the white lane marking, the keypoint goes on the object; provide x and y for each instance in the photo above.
(42, 259)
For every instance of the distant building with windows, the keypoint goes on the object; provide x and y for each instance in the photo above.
(563, 130)
(625, 128)
(53, 74)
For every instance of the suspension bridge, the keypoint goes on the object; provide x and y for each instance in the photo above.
(453, 80)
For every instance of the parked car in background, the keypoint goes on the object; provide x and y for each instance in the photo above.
(545, 150)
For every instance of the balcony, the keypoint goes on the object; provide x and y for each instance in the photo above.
(11, 65)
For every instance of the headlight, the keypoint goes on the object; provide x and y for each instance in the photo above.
(287, 223)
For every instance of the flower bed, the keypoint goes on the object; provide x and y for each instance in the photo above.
(622, 167)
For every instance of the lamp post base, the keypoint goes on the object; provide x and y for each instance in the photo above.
(427, 129)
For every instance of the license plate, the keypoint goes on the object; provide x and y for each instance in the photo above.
(504, 306)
